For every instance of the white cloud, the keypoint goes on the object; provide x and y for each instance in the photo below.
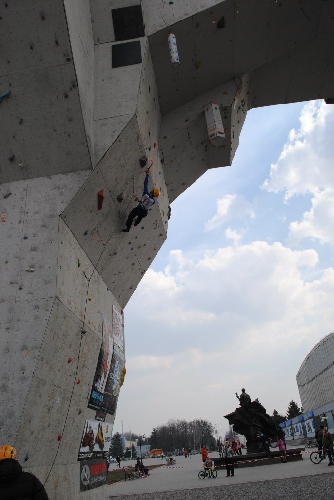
(318, 222)
(232, 234)
(306, 162)
(239, 312)
(230, 207)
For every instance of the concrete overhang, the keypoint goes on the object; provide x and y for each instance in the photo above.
(231, 39)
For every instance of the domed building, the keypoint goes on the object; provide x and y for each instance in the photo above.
(315, 380)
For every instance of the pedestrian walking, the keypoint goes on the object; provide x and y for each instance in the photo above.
(327, 443)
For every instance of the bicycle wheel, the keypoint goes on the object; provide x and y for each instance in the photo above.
(315, 457)
(201, 474)
(214, 473)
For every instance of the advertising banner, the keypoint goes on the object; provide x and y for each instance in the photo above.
(93, 473)
(109, 368)
(117, 328)
(96, 439)
(310, 426)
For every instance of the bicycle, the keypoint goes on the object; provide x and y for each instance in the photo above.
(317, 456)
(211, 473)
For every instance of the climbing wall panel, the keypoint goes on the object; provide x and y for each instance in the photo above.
(239, 110)
(57, 402)
(99, 302)
(29, 239)
(159, 15)
(80, 30)
(106, 131)
(74, 272)
(42, 125)
(116, 89)
(37, 36)
(23, 323)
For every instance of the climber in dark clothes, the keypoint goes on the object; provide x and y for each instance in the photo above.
(146, 202)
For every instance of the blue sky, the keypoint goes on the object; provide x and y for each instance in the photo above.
(244, 285)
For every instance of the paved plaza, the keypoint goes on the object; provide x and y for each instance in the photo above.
(294, 480)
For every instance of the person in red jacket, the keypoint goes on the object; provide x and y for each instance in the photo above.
(204, 453)
(15, 484)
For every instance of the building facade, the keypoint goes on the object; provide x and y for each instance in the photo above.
(315, 380)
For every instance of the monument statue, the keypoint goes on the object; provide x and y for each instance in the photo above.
(251, 420)
(243, 398)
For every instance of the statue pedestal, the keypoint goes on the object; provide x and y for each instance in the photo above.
(256, 459)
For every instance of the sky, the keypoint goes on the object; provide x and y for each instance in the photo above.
(243, 287)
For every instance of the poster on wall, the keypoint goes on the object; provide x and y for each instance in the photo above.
(117, 328)
(111, 361)
(96, 439)
(93, 473)
(113, 385)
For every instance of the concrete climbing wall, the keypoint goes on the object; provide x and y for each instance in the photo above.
(29, 242)
(86, 89)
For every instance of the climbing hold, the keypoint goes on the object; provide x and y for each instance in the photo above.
(7, 195)
(30, 270)
(26, 458)
(59, 437)
(3, 217)
(11, 158)
(78, 381)
(198, 64)
(42, 16)
(25, 237)
(100, 198)
(27, 353)
(221, 23)
(79, 263)
(5, 94)
(20, 121)
(89, 298)
(68, 58)
(122, 312)
(86, 232)
(120, 197)
(83, 331)
(79, 412)
(69, 360)
(21, 165)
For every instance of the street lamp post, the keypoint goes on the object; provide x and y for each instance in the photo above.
(130, 442)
